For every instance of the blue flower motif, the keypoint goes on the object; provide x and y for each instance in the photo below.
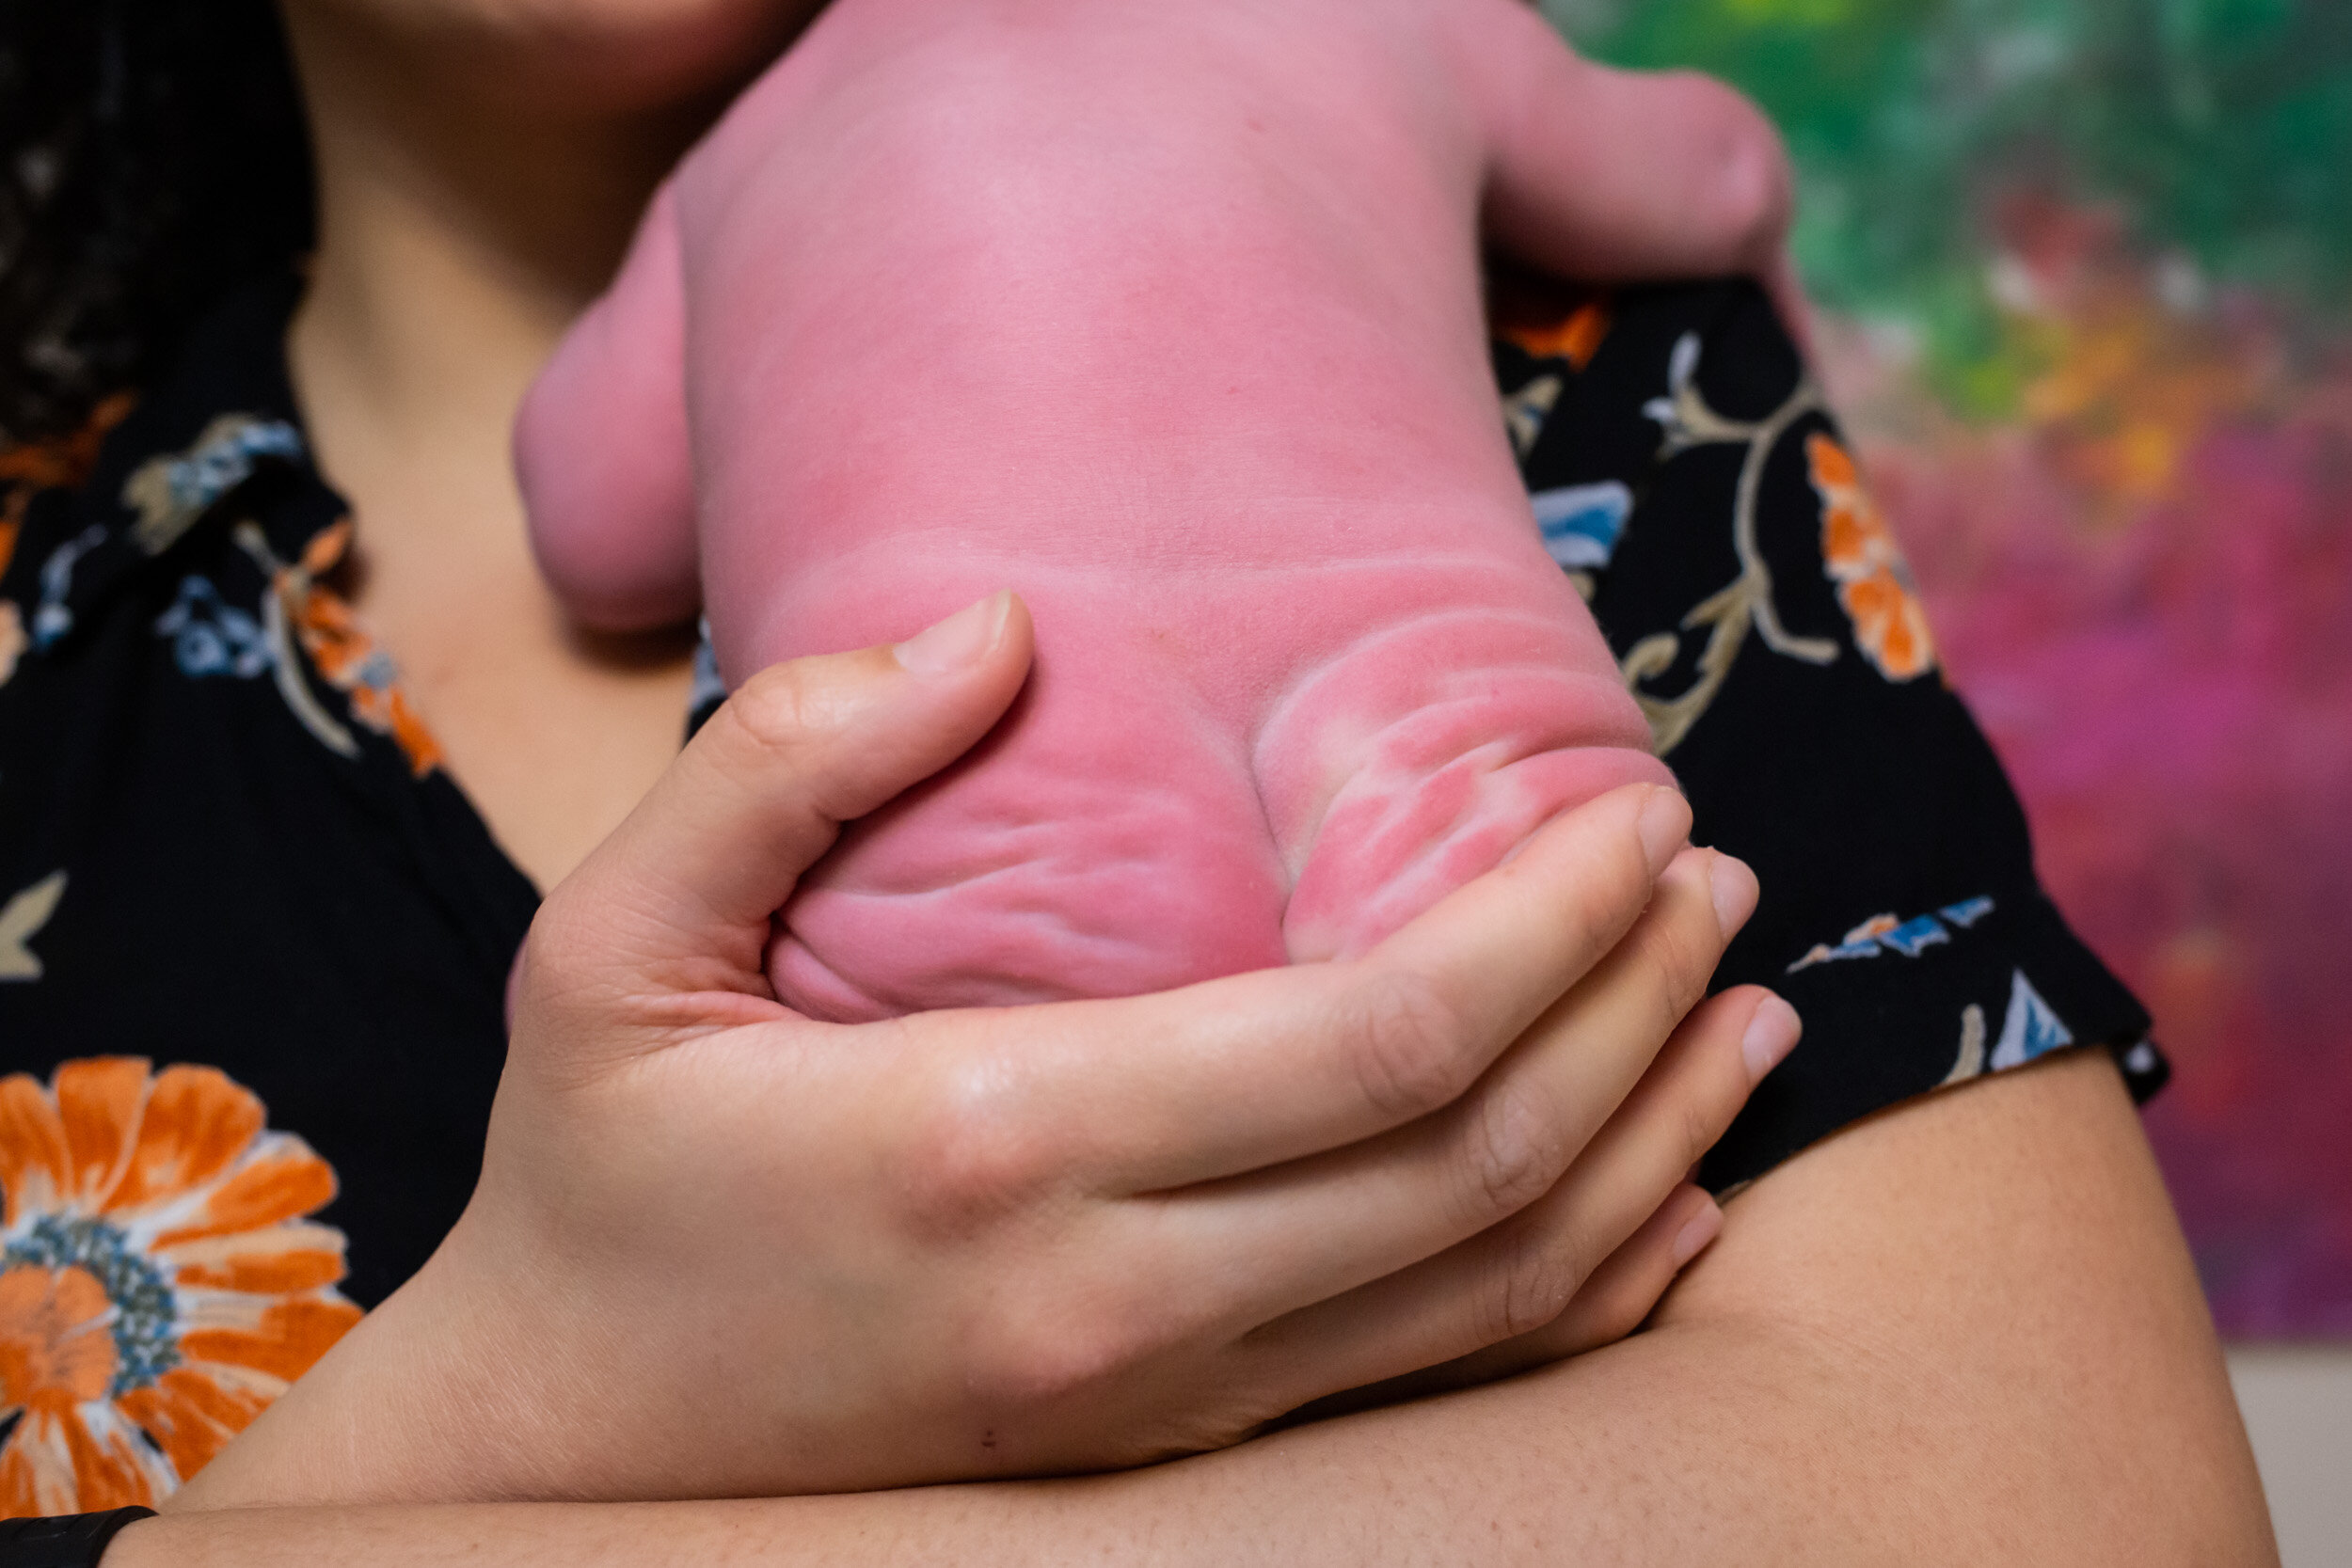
(1967, 912)
(1915, 935)
(1884, 934)
(709, 690)
(170, 492)
(2030, 1028)
(210, 637)
(1580, 523)
(54, 619)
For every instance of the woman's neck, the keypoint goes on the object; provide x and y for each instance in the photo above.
(460, 230)
(463, 222)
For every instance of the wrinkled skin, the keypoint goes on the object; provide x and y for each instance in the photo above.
(1166, 317)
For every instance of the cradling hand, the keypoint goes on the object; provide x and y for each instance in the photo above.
(720, 1249)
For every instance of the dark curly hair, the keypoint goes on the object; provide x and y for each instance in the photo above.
(154, 155)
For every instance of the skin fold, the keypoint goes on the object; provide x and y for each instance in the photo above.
(1169, 318)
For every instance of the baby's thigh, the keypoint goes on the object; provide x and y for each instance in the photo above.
(1105, 841)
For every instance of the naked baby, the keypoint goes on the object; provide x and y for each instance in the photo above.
(1166, 317)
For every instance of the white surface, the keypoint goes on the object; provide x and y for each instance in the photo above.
(2298, 1411)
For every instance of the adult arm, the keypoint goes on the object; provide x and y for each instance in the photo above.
(1964, 1331)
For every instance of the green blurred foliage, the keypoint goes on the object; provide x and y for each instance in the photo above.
(2221, 129)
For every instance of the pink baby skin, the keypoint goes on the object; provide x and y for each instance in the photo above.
(1166, 316)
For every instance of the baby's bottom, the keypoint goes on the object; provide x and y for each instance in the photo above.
(1205, 777)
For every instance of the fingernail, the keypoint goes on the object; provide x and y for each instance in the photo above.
(1771, 1034)
(1663, 823)
(1699, 1230)
(1734, 888)
(958, 640)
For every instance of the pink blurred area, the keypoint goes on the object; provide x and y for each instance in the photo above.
(2142, 584)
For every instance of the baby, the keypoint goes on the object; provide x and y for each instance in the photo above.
(1166, 316)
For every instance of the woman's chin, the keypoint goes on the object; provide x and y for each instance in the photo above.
(596, 57)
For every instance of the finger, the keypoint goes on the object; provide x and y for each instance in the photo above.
(1603, 174)
(1252, 1070)
(678, 898)
(1317, 1227)
(1668, 1123)
(1620, 1294)
(1609, 1306)
(1505, 1292)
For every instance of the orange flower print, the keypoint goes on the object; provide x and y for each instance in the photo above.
(43, 464)
(348, 657)
(1574, 336)
(1859, 553)
(160, 1282)
(340, 647)
(37, 465)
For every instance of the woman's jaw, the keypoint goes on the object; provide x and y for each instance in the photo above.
(481, 165)
(570, 58)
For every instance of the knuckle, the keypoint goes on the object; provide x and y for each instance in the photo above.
(1607, 898)
(1512, 1154)
(554, 935)
(1701, 1122)
(559, 952)
(1538, 1281)
(1032, 1371)
(1406, 1047)
(966, 1157)
(1619, 1311)
(1685, 946)
(773, 710)
(1039, 1357)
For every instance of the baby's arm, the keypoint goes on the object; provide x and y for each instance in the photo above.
(601, 447)
(1601, 174)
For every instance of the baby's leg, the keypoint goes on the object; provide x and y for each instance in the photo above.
(1105, 841)
(1425, 752)
(1277, 767)
(601, 448)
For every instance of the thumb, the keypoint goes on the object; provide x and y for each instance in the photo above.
(677, 900)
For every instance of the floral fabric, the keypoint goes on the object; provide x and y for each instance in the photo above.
(1684, 469)
(228, 842)
(161, 1282)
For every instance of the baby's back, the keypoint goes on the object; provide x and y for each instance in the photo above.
(1175, 329)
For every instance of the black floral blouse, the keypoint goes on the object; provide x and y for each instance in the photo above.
(254, 939)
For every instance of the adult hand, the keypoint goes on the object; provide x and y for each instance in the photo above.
(721, 1249)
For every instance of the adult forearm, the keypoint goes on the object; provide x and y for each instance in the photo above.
(1963, 1332)
(948, 1524)
(1583, 1462)
(1004, 1523)
(1684, 1445)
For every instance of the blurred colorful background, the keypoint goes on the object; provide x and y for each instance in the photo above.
(2086, 268)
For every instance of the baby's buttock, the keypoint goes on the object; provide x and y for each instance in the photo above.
(1210, 771)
